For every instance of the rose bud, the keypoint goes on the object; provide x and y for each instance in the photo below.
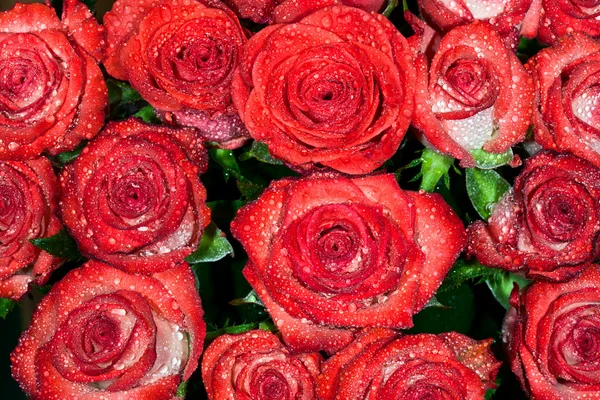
(565, 114)
(317, 95)
(181, 58)
(548, 224)
(27, 211)
(328, 253)
(52, 93)
(133, 198)
(381, 364)
(256, 365)
(103, 333)
(552, 333)
(474, 94)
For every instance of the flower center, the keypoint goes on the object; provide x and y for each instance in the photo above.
(132, 196)
(272, 386)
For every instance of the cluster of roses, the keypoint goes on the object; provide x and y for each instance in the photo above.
(339, 260)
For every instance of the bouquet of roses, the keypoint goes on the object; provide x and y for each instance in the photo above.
(373, 200)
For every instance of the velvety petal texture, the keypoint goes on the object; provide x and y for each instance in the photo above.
(505, 16)
(256, 365)
(334, 90)
(134, 199)
(288, 11)
(547, 225)
(181, 57)
(566, 116)
(380, 364)
(103, 333)
(52, 93)
(329, 253)
(472, 94)
(552, 334)
(28, 205)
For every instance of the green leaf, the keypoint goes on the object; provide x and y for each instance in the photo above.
(148, 115)
(250, 191)
(485, 187)
(230, 329)
(6, 306)
(434, 166)
(61, 245)
(251, 298)
(485, 160)
(391, 5)
(182, 389)
(268, 326)
(120, 92)
(213, 246)
(434, 302)
(226, 159)
(502, 283)
(260, 151)
(67, 157)
(464, 271)
(457, 316)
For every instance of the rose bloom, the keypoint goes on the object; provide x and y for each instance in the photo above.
(550, 20)
(181, 58)
(507, 17)
(382, 364)
(133, 198)
(548, 224)
(287, 11)
(27, 211)
(256, 365)
(552, 334)
(103, 333)
(328, 253)
(52, 93)
(565, 115)
(334, 90)
(473, 94)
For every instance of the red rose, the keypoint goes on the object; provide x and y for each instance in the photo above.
(550, 20)
(52, 94)
(505, 16)
(287, 11)
(548, 224)
(102, 333)
(133, 198)
(564, 116)
(27, 211)
(255, 365)
(181, 58)
(552, 333)
(335, 89)
(381, 364)
(475, 94)
(328, 253)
